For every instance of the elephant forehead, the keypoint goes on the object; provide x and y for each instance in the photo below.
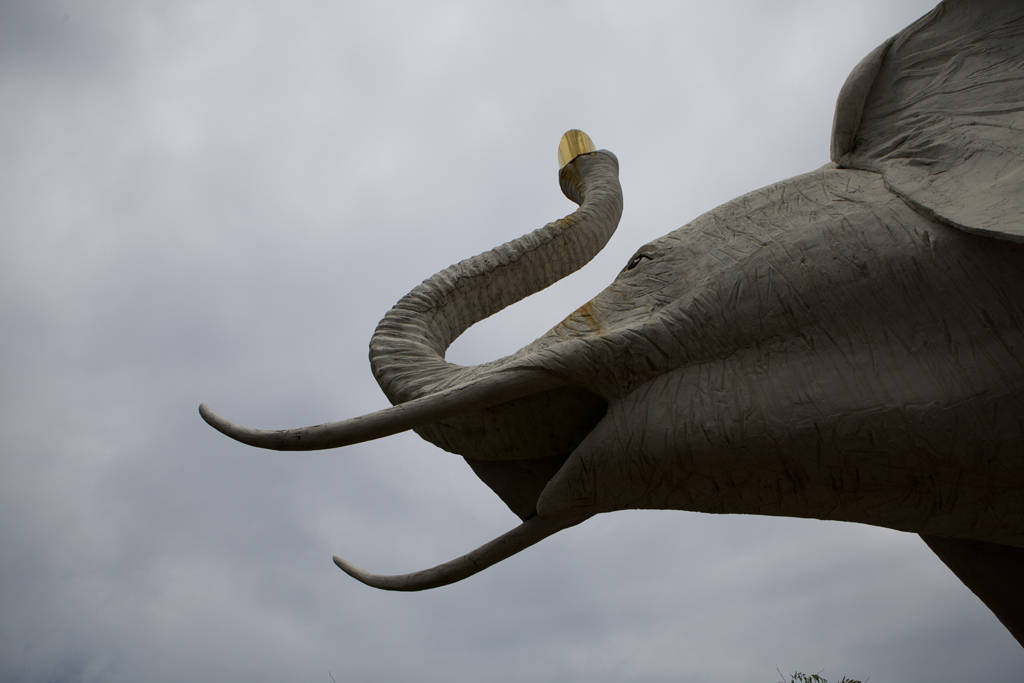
(828, 255)
(777, 224)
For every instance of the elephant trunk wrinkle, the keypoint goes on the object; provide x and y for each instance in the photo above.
(407, 349)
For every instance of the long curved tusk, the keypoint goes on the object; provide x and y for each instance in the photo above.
(532, 531)
(457, 400)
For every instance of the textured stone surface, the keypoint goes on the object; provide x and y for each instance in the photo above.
(838, 345)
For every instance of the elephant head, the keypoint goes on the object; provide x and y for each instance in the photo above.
(847, 344)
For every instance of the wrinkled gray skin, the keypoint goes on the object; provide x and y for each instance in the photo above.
(846, 344)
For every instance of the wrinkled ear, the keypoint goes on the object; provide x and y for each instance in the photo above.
(938, 110)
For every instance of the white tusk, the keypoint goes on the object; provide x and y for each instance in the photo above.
(528, 533)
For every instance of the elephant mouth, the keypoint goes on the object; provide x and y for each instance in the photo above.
(517, 447)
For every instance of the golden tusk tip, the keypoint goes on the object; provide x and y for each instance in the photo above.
(573, 143)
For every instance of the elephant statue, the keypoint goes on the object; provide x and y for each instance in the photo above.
(847, 344)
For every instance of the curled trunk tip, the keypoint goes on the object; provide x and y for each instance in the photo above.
(573, 143)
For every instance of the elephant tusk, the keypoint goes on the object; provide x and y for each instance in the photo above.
(418, 412)
(532, 531)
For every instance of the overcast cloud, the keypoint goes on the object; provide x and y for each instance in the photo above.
(218, 202)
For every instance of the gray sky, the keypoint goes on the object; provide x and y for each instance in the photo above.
(203, 203)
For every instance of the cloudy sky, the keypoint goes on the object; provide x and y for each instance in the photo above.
(206, 201)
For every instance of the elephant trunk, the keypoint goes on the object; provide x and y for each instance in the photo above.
(408, 347)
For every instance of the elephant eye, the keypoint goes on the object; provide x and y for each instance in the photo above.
(636, 260)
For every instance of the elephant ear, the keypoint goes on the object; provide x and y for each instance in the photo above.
(938, 110)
